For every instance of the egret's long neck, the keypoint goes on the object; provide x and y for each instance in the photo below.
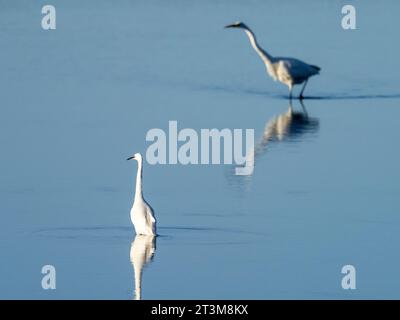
(260, 51)
(138, 193)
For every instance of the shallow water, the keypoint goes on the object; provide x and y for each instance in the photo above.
(75, 102)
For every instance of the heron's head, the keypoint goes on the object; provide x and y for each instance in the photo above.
(136, 156)
(238, 24)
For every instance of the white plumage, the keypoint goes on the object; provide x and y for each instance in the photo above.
(142, 252)
(142, 215)
(289, 71)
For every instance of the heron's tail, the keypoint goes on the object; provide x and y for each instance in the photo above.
(317, 69)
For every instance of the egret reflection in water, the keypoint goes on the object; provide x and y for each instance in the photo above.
(142, 252)
(290, 125)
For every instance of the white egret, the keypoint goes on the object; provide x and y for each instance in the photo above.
(142, 252)
(141, 213)
(289, 71)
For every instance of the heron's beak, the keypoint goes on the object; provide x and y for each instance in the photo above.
(130, 158)
(230, 26)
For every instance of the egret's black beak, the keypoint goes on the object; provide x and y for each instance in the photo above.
(130, 158)
(230, 26)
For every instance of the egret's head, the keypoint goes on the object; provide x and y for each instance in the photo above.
(238, 24)
(136, 156)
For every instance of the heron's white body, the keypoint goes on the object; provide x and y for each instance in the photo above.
(142, 215)
(142, 251)
(289, 71)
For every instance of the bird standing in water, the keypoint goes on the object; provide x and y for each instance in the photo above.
(289, 71)
(142, 215)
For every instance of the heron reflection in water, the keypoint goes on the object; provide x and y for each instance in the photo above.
(142, 252)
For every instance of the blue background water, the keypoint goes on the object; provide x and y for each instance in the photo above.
(75, 102)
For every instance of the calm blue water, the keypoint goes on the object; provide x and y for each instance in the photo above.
(75, 102)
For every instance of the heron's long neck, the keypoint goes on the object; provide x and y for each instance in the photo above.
(260, 51)
(138, 193)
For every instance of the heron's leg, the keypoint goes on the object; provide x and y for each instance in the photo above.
(302, 90)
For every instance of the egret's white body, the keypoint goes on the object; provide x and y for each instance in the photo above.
(142, 215)
(142, 252)
(289, 71)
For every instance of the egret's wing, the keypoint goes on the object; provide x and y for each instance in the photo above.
(150, 214)
(150, 248)
(296, 69)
